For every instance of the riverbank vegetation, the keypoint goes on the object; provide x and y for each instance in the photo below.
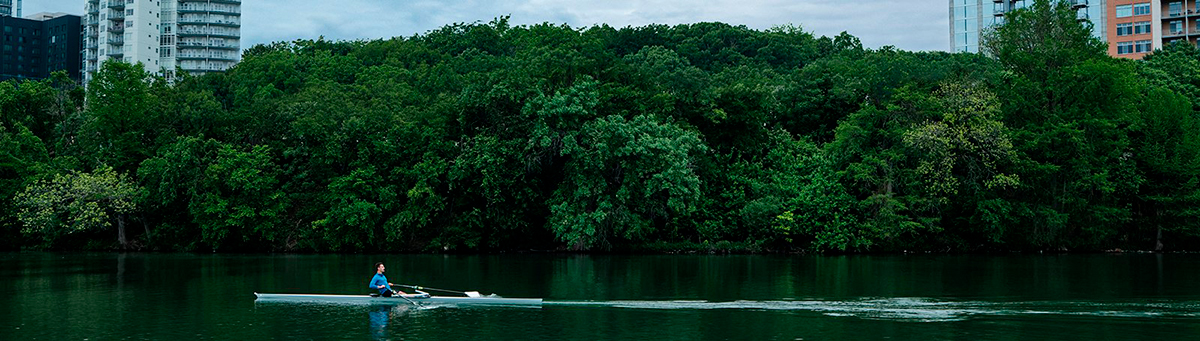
(493, 137)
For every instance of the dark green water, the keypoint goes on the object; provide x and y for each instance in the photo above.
(186, 297)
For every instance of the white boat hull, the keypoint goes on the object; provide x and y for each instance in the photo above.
(420, 299)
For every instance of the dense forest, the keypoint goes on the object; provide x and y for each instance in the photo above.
(490, 137)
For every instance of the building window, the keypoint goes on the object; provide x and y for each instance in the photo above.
(1124, 11)
(1175, 8)
(1124, 47)
(1141, 9)
(1141, 46)
(1141, 27)
(1124, 29)
(1176, 27)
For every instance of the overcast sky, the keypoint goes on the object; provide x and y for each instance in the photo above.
(909, 25)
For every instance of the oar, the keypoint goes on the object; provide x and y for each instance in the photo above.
(466, 293)
(395, 294)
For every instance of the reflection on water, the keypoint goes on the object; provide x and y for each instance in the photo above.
(379, 317)
(77, 296)
(918, 309)
(379, 320)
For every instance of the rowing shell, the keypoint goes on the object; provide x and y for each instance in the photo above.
(423, 299)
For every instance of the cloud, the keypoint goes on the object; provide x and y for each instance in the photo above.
(909, 25)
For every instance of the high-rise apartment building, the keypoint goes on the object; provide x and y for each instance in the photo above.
(201, 36)
(1132, 28)
(10, 8)
(34, 47)
(1136, 28)
(121, 30)
(197, 36)
(970, 19)
(1181, 20)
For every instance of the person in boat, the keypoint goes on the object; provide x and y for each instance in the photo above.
(380, 282)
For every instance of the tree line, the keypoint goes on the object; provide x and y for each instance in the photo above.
(494, 137)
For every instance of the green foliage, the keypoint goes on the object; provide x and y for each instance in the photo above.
(1045, 36)
(239, 196)
(23, 157)
(624, 178)
(1176, 67)
(75, 203)
(118, 122)
(701, 137)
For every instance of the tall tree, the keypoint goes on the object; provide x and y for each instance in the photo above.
(118, 121)
(77, 202)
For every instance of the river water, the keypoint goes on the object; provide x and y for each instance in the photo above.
(106, 296)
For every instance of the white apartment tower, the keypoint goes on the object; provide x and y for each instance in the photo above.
(197, 36)
(200, 36)
(122, 30)
(10, 8)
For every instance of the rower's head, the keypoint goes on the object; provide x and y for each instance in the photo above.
(379, 267)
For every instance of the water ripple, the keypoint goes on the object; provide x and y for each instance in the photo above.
(920, 309)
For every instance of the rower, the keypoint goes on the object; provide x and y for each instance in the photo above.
(380, 282)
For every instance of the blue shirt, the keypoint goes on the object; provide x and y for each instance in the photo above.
(378, 280)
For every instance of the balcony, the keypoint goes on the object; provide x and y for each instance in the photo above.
(116, 16)
(116, 41)
(1174, 34)
(116, 29)
(1179, 14)
(225, 23)
(235, 2)
(198, 45)
(1077, 4)
(116, 53)
(207, 33)
(93, 9)
(208, 47)
(220, 59)
(208, 10)
(116, 4)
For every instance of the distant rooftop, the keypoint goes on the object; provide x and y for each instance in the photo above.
(46, 15)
